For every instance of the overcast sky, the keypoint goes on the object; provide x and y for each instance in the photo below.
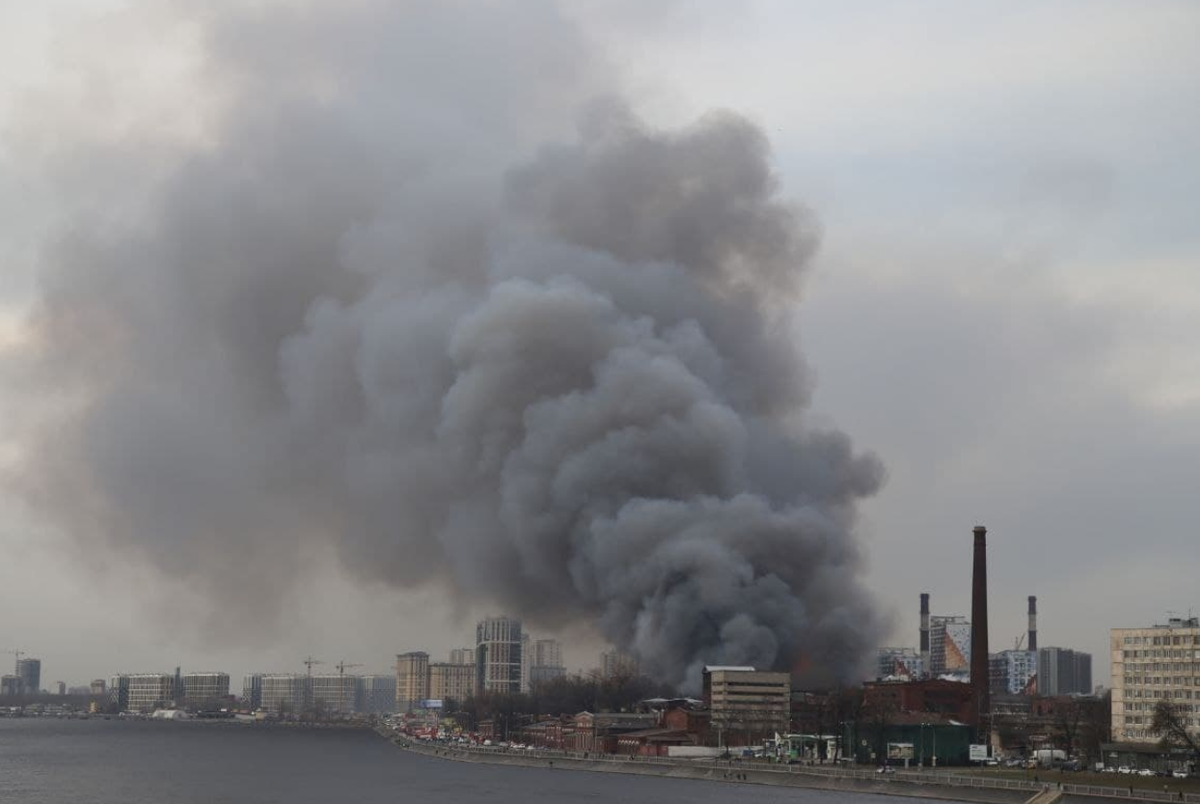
(1005, 306)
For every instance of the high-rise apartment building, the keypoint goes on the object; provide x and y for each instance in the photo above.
(335, 694)
(462, 656)
(205, 689)
(150, 691)
(284, 693)
(615, 663)
(30, 673)
(949, 646)
(412, 680)
(98, 687)
(498, 655)
(899, 662)
(118, 692)
(1150, 665)
(378, 695)
(1061, 671)
(546, 661)
(252, 690)
(1011, 671)
(10, 686)
(454, 681)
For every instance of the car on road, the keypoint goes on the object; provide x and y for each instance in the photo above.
(1179, 774)
(1124, 769)
(1145, 772)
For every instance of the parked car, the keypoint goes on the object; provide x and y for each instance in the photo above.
(1145, 772)
(1124, 769)
(1179, 774)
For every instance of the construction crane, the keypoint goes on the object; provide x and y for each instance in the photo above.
(17, 654)
(341, 667)
(1019, 641)
(308, 662)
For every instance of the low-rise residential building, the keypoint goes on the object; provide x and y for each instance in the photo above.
(1161, 662)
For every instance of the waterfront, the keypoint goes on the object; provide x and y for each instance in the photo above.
(144, 762)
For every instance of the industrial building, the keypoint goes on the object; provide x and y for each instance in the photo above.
(498, 645)
(745, 703)
(412, 680)
(1161, 662)
(1061, 671)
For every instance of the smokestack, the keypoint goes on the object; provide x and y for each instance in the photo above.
(1033, 622)
(979, 635)
(925, 633)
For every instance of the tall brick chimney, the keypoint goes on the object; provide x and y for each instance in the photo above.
(1033, 622)
(925, 633)
(979, 636)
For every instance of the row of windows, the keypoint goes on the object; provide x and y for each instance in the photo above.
(1142, 720)
(1149, 707)
(1173, 653)
(1161, 681)
(1175, 639)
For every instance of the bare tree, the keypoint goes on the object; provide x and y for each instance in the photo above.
(1171, 720)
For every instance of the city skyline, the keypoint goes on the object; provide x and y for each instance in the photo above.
(1001, 309)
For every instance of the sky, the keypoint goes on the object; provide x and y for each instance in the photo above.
(1004, 305)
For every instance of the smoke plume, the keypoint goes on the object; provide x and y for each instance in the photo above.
(412, 296)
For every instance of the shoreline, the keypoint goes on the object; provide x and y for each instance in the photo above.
(975, 790)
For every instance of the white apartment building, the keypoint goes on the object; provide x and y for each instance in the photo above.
(1148, 665)
(283, 693)
(201, 688)
(150, 691)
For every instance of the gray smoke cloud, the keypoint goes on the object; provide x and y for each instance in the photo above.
(379, 311)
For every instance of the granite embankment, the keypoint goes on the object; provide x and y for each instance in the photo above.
(942, 785)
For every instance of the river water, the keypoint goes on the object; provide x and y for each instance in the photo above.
(146, 762)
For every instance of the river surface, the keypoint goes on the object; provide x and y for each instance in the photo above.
(144, 762)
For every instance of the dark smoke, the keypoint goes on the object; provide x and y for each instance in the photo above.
(372, 311)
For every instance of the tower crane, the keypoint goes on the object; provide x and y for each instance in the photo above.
(341, 667)
(308, 662)
(17, 654)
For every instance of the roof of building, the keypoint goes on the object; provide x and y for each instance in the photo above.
(712, 668)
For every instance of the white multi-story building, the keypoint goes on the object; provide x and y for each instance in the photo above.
(498, 655)
(897, 662)
(949, 646)
(150, 691)
(284, 693)
(205, 688)
(335, 694)
(1150, 665)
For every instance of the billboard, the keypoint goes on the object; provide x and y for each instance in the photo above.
(900, 751)
(431, 703)
(978, 753)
